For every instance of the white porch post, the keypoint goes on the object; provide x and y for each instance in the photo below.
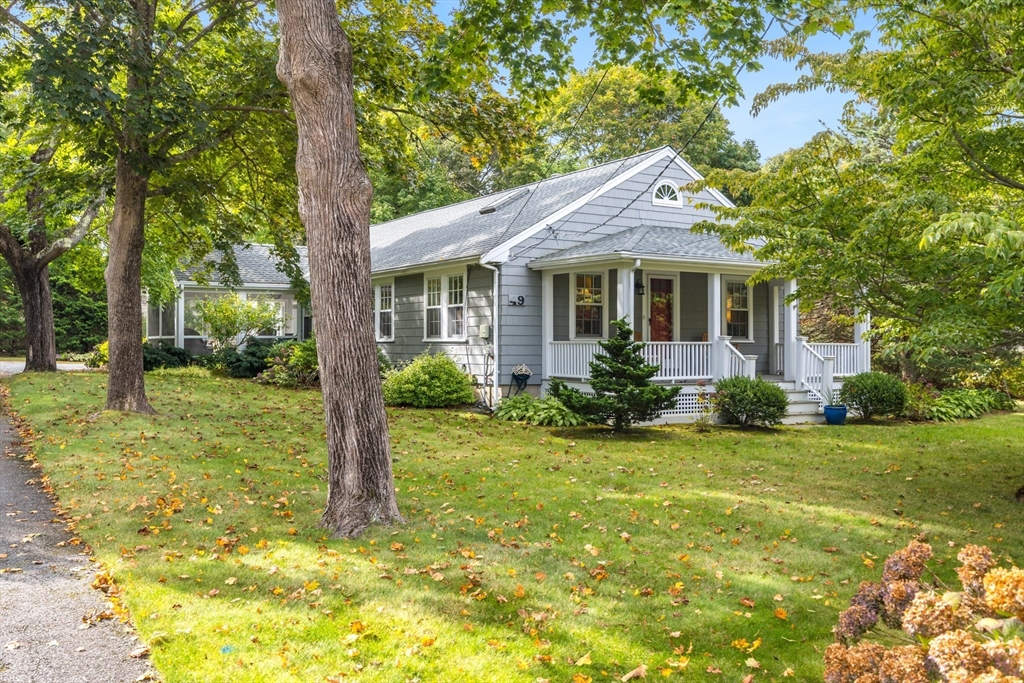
(179, 319)
(861, 332)
(750, 366)
(547, 306)
(828, 378)
(791, 349)
(719, 358)
(798, 361)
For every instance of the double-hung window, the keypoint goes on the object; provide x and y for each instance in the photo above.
(445, 297)
(384, 311)
(737, 310)
(589, 303)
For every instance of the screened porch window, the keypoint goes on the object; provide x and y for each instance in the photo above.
(737, 310)
(589, 300)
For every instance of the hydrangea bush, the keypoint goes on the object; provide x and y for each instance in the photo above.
(973, 635)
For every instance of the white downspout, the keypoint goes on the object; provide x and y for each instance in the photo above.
(495, 327)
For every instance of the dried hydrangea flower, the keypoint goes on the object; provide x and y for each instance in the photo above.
(957, 652)
(993, 676)
(904, 664)
(869, 594)
(1004, 591)
(907, 564)
(930, 615)
(854, 622)
(868, 678)
(851, 665)
(975, 562)
(1007, 657)
(837, 669)
(898, 596)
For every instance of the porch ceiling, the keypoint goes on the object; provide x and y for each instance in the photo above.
(650, 243)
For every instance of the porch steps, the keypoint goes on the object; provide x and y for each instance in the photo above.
(802, 408)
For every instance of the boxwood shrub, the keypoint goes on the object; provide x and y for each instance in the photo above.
(874, 393)
(745, 401)
(429, 381)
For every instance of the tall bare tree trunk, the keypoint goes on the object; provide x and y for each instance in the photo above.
(37, 304)
(126, 388)
(315, 64)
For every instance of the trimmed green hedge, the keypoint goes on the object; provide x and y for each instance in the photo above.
(874, 393)
(429, 381)
(744, 401)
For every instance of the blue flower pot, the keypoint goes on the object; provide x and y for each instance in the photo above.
(835, 415)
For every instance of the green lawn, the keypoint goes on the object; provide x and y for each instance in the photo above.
(528, 553)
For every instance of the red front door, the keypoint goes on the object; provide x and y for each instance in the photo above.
(662, 308)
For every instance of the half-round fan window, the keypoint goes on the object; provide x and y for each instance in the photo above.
(666, 193)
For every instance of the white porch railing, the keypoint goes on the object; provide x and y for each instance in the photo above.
(676, 361)
(845, 355)
(780, 358)
(815, 372)
(736, 365)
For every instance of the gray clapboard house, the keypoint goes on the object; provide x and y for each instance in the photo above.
(535, 276)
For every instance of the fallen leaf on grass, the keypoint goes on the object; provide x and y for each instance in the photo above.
(139, 652)
(639, 672)
(584, 660)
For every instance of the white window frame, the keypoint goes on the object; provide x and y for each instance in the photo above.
(444, 306)
(377, 310)
(658, 201)
(749, 339)
(603, 304)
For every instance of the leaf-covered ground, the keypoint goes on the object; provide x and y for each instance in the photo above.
(529, 554)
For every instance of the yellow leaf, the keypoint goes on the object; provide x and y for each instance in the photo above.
(753, 663)
(311, 585)
(580, 678)
(584, 660)
(781, 614)
(357, 626)
(788, 673)
(639, 672)
(231, 581)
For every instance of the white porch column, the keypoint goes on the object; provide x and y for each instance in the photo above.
(719, 358)
(861, 335)
(624, 296)
(791, 325)
(179, 319)
(547, 326)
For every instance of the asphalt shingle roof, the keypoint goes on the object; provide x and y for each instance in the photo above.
(647, 240)
(459, 231)
(256, 265)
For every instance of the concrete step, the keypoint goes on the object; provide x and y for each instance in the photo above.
(800, 419)
(803, 408)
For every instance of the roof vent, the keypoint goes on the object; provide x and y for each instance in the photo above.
(491, 208)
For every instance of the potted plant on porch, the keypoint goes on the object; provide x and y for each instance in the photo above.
(835, 411)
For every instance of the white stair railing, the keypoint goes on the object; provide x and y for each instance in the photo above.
(845, 355)
(815, 372)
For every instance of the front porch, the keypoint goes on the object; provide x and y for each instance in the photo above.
(700, 326)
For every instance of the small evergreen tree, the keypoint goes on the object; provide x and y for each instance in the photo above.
(621, 380)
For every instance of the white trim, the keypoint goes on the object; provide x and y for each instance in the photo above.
(500, 253)
(682, 261)
(390, 282)
(416, 269)
(443, 275)
(547, 324)
(678, 201)
(647, 302)
(726, 279)
(714, 192)
(603, 304)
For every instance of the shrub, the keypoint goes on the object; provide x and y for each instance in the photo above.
(384, 364)
(745, 401)
(621, 380)
(159, 355)
(1005, 375)
(429, 381)
(874, 393)
(244, 364)
(189, 372)
(292, 365)
(233, 321)
(100, 355)
(544, 412)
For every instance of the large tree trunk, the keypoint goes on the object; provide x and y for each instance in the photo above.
(126, 389)
(37, 304)
(315, 63)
